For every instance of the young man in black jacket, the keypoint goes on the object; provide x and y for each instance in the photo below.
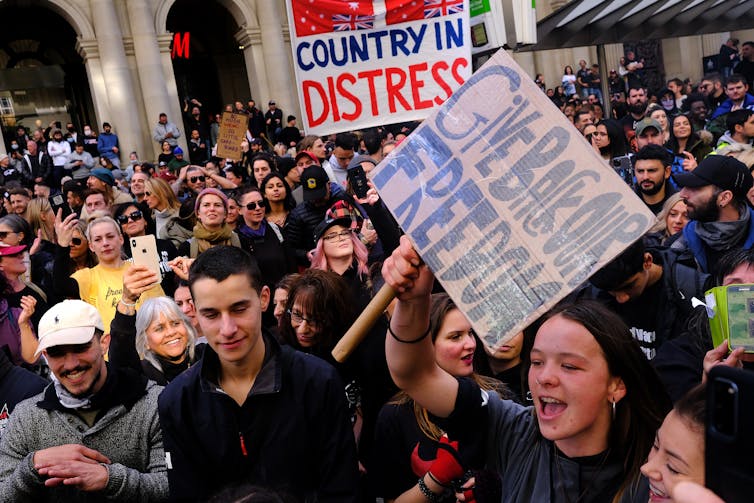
(651, 291)
(251, 411)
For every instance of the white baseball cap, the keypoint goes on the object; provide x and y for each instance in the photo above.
(68, 322)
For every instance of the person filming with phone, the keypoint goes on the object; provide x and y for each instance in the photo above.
(101, 285)
(136, 221)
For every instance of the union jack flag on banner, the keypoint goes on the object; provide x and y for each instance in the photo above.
(346, 22)
(437, 8)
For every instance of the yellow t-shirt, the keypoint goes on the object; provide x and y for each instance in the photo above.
(102, 287)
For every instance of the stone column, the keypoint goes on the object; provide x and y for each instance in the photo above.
(89, 51)
(613, 53)
(117, 77)
(173, 105)
(279, 76)
(151, 77)
(251, 40)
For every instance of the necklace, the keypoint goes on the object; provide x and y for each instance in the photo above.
(591, 482)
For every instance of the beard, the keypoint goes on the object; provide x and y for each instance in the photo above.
(638, 108)
(653, 189)
(707, 212)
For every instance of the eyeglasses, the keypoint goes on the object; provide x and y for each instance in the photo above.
(298, 319)
(254, 205)
(338, 235)
(76, 241)
(4, 234)
(136, 215)
(195, 179)
(147, 193)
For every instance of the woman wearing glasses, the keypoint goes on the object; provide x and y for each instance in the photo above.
(340, 250)
(134, 220)
(161, 199)
(264, 240)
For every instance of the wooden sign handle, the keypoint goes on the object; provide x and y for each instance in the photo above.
(363, 323)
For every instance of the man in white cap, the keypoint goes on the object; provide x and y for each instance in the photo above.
(91, 435)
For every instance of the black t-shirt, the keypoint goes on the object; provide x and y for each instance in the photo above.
(641, 317)
(585, 76)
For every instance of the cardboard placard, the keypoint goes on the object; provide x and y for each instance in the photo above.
(232, 132)
(365, 63)
(506, 202)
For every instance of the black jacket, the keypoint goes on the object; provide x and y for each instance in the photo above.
(16, 385)
(123, 354)
(292, 431)
(303, 219)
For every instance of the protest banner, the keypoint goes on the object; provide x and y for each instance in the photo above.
(371, 62)
(232, 132)
(506, 202)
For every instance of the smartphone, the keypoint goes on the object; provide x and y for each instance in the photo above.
(144, 252)
(624, 168)
(58, 202)
(729, 437)
(357, 179)
(740, 317)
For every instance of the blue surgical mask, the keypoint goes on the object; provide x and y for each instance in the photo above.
(667, 104)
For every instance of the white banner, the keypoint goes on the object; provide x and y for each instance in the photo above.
(371, 62)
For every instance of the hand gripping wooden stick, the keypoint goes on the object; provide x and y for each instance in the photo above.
(363, 323)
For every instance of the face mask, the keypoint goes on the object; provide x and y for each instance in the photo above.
(87, 131)
(667, 104)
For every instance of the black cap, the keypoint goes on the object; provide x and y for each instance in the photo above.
(314, 181)
(723, 171)
(320, 230)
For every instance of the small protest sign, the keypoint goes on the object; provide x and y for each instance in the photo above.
(506, 202)
(364, 63)
(232, 132)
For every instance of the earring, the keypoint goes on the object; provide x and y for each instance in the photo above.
(613, 402)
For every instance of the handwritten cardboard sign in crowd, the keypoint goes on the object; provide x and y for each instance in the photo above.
(230, 135)
(372, 62)
(506, 202)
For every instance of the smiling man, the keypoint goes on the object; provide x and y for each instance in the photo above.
(250, 411)
(91, 435)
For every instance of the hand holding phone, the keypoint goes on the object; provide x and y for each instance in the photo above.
(144, 252)
(357, 179)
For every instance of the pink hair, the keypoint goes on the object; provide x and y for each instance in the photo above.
(360, 255)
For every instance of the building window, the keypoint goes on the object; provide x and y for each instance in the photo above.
(6, 106)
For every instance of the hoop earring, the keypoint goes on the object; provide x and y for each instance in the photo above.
(613, 402)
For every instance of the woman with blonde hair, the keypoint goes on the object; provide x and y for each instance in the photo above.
(100, 285)
(670, 221)
(42, 221)
(161, 199)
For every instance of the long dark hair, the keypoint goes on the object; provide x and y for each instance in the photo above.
(641, 412)
(618, 145)
(289, 203)
(324, 296)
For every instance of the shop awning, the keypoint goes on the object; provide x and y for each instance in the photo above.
(596, 22)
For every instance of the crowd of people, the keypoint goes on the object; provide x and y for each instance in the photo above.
(210, 376)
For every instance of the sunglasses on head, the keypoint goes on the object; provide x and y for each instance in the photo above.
(254, 205)
(195, 179)
(136, 215)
